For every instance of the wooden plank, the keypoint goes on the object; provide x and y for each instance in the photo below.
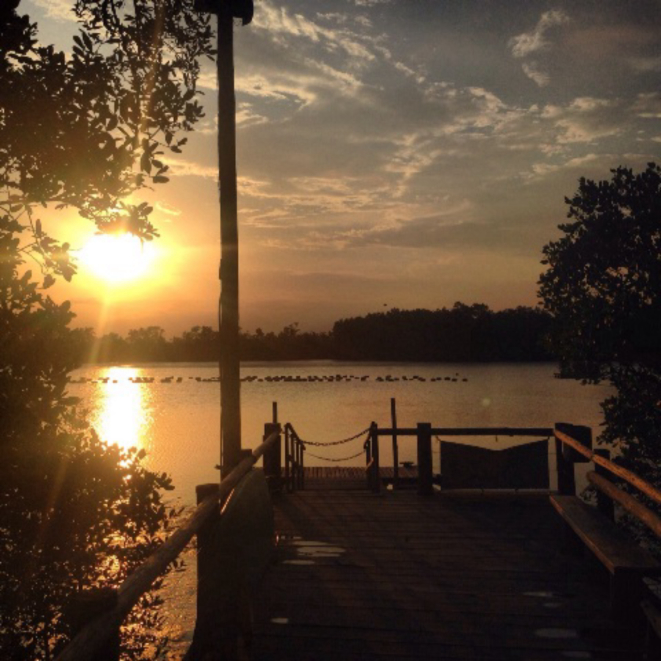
(395, 576)
(613, 549)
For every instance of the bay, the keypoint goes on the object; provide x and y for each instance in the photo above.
(172, 410)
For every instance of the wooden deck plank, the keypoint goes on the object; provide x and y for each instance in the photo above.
(395, 576)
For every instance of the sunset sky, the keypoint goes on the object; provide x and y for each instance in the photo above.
(391, 153)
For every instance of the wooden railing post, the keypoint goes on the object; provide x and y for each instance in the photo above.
(604, 504)
(205, 636)
(288, 484)
(564, 463)
(273, 459)
(376, 474)
(425, 477)
(395, 448)
(368, 460)
(87, 606)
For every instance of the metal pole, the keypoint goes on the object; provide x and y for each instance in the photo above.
(230, 381)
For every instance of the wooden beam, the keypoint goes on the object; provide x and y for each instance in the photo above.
(471, 431)
(633, 506)
(230, 378)
(86, 644)
(633, 479)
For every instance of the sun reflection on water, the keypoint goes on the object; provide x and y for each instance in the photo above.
(123, 410)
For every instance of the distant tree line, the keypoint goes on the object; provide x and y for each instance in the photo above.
(463, 333)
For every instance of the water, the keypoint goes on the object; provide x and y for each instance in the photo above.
(178, 423)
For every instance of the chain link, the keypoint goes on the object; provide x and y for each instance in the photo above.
(353, 456)
(329, 443)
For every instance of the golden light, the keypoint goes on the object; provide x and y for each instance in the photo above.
(124, 412)
(117, 258)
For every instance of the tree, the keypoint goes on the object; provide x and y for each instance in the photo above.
(82, 132)
(603, 289)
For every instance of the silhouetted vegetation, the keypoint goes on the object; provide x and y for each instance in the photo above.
(462, 333)
(603, 289)
(81, 131)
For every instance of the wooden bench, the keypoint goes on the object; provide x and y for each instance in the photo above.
(626, 562)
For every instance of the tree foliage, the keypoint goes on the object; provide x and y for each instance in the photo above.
(603, 289)
(87, 129)
(82, 131)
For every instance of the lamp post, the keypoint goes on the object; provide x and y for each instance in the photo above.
(230, 381)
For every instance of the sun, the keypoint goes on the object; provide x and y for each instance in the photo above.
(117, 258)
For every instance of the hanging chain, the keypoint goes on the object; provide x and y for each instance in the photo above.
(329, 443)
(353, 456)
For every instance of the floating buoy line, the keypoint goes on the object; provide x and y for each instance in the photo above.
(327, 378)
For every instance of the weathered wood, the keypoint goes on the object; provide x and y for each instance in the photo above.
(653, 636)
(604, 504)
(89, 605)
(425, 470)
(85, 645)
(565, 469)
(626, 562)
(230, 387)
(395, 448)
(238, 548)
(453, 577)
(635, 507)
(472, 431)
(633, 479)
(273, 458)
(206, 566)
(614, 550)
(375, 470)
(580, 434)
(288, 482)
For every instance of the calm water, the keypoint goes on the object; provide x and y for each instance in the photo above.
(178, 423)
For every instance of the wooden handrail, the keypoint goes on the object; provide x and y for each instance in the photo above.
(86, 643)
(470, 431)
(633, 479)
(635, 507)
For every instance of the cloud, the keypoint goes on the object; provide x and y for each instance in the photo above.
(586, 119)
(532, 70)
(535, 43)
(527, 43)
(648, 105)
(60, 10)
(167, 209)
(650, 64)
(181, 167)
(371, 3)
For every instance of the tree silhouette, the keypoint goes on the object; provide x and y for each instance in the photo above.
(80, 131)
(603, 288)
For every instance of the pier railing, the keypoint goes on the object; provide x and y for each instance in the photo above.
(424, 433)
(100, 613)
(574, 446)
(294, 452)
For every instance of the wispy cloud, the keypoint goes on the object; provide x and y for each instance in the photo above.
(527, 43)
(60, 10)
(535, 43)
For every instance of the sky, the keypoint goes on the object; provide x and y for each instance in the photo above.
(391, 153)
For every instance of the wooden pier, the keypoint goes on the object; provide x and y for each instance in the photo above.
(364, 567)
(393, 576)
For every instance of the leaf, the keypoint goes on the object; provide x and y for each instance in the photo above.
(160, 179)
